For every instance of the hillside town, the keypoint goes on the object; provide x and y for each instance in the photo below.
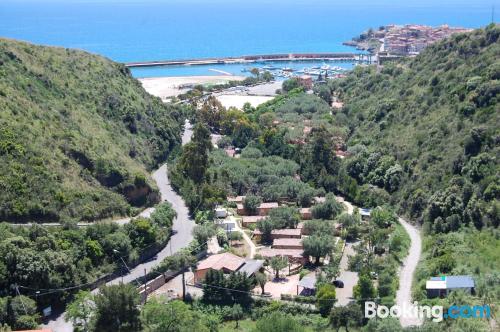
(403, 40)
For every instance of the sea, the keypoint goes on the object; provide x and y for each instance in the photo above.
(141, 30)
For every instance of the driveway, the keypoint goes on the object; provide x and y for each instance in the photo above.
(403, 295)
(350, 278)
(182, 224)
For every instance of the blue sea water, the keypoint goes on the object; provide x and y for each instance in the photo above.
(137, 30)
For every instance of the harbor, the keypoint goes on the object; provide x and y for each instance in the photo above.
(342, 57)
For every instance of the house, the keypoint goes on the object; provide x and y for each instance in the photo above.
(220, 212)
(293, 255)
(237, 199)
(365, 213)
(305, 213)
(264, 208)
(285, 233)
(240, 209)
(442, 286)
(287, 243)
(227, 263)
(305, 81)
(228, 224)
(251, 220)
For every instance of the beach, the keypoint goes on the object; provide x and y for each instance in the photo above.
(167, 87)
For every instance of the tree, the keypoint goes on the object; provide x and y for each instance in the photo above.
(364, 289)
(325, 299)
(117, 309)
(178, 261)
(251, 203)
(289, 85)
(284, 217)
(261, 279)
(202, 233)
(345, 316)
(20, 312)
(383, 217)
(267, 76)
(81, 311)
(158, 315)
(323, 91)
(327, 210)
(163, 215)
(266, 226)
(142, 232)
(318, 246)
(278, 263)
(236, 314)
(319, 227)
(277, 322)
(194, 158)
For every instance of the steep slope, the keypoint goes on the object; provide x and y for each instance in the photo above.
(77, 136)
(427, 130)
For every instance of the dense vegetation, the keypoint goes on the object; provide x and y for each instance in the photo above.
(51, 259)
(426, 131)
(422, 140)
(78, 136)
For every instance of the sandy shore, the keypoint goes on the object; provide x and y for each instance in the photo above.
(166, 87)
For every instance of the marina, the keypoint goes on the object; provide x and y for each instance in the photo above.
(276, 68)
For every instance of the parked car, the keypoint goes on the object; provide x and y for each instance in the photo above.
(338, 283)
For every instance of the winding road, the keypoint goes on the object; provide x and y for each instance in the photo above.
(183, 226)
(403, 295)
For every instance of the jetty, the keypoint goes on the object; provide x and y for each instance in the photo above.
(341, 57)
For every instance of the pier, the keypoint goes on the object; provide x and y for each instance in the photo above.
(342, 57)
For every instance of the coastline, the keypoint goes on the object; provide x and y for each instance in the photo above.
(171, 86)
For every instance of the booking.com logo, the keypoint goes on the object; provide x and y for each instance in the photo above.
(436, 313)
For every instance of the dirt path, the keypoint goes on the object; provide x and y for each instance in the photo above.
(403, 296)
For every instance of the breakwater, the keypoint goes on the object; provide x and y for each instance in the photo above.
(347, 57)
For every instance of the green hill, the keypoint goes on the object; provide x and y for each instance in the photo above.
(78, 136)
(427, 130)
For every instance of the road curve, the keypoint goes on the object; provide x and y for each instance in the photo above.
(183, 226)
(403, 295)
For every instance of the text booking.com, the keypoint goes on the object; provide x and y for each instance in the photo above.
(436, 313)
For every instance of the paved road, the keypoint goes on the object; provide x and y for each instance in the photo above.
(350, 278)
(182, 224)
(403, 295)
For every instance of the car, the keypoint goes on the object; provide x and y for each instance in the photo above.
(338, 283)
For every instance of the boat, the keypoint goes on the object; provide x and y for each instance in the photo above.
(287, 69)
(325, 67)
(269, 67)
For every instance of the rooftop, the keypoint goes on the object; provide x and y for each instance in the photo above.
(269, 205)
(288, 242)
(225, 260)
(307, 282)
(450, 282)
(252, 219)
(272, 252)
(251, 266)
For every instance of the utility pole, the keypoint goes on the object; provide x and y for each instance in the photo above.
(183, 287)
(145, 287)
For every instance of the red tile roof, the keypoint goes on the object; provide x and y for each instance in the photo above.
(217, 262)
